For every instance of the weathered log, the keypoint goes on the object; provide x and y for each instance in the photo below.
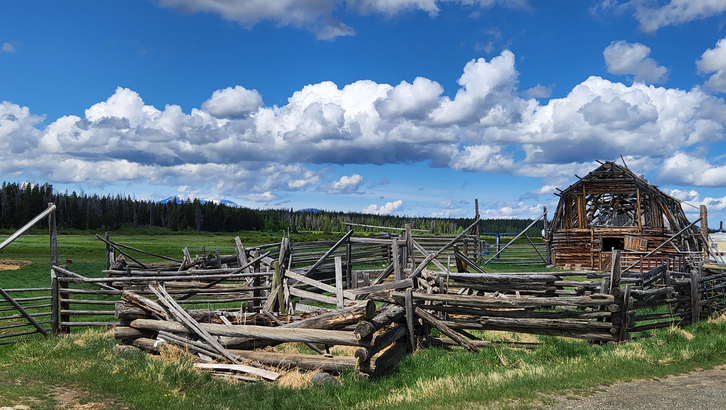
(337, 319)
(442, 341)
(129, 333)
(127, 311)
(439, 324)
(494, 302)
(381, 342)
(391, 314)
(386, 361)
(147, 304)
(279, 334)
(144, 343)
(578, 333)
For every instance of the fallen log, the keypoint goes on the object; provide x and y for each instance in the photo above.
(278, 334)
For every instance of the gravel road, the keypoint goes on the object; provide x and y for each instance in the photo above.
(703, 389)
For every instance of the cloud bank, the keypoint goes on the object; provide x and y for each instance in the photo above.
(235, 145)
(318, 16)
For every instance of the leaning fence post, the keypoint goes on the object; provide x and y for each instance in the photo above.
(53, 237)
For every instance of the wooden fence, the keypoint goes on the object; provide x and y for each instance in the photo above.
(25, 313)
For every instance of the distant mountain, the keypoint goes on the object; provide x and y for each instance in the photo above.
(180, 199)
(310, 210)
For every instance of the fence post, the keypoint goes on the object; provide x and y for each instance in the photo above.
(55, 294)
(109, 258)
(548, 247)
(477, 232)
(349, 261)
(409, 246)
(54, 328)
(339, 282)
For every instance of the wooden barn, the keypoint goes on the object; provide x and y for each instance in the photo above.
(613, 208)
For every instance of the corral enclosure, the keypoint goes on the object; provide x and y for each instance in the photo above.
(382, 295)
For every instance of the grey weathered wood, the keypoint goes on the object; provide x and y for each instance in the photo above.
(51, 208)
(279, 334)
(265, 374)
(381, 342)
(410, 319)
(515, 238)
(184, 317)
(493, 302)
(121, 251)
(625, 317)
(129, 333)
(110, 244)
(615, 271)
(432, 256)
(695, 297)
(315, 283)
(337, 319)
(362, 292)
(431, 320)
(68, 274)
(386, 273)
(145, 303)
(55, 306)
(339, 282)
(365, 328)
(331, 300)
(396, 259)
(325, 256)
(23, 312)
(513, 278)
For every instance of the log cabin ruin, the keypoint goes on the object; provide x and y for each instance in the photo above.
(612, 208)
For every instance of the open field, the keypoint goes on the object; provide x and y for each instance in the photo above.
(83, 370)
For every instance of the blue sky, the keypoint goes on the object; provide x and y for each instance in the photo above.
(409, 107)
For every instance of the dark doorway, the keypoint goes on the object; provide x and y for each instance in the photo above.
(609, 244)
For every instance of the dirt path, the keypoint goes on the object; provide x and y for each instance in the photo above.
(704, 389)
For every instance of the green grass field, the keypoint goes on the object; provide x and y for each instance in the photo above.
(37, 374)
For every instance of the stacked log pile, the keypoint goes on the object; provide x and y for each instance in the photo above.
(232, 337)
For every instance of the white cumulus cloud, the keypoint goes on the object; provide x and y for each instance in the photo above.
(713, 61)
(626, 58)
(346, 184)
(386, 209)
(233, 102)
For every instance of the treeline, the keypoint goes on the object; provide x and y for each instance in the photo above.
(21, 202)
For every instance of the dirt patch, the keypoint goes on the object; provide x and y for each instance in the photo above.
(74, 399)
(7, 264)
(702, 389)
